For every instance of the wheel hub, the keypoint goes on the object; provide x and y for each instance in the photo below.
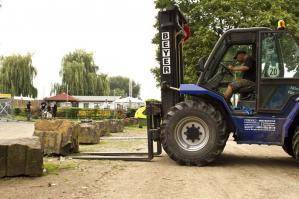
(193, 133)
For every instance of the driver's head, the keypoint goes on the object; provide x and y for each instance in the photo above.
(240, 56)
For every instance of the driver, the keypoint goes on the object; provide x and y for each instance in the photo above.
(248, 69)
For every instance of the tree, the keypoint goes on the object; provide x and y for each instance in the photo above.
(16, 75)
(120, 86)
(79, 74)
(207, 16)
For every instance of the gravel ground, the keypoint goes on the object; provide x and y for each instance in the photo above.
(243, 171)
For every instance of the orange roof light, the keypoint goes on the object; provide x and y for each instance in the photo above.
(281, 25)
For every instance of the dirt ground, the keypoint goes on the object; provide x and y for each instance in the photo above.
(243, 171)
(9, 130)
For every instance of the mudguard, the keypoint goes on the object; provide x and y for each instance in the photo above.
(193, 89)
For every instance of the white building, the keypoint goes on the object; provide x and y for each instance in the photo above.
(128, 103)
(101, 102)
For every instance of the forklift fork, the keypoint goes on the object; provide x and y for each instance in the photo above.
(153, 110)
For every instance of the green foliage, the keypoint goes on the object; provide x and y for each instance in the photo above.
(54, 167)
(71, 113)
(97, 114)
(17, 111)
(16, 75)
(152, 100)
(206, 16)
(23, 112)
(119, 86)
(79, 73)
(75, 113)
(118, 92)
(131, 112)
(160, 4)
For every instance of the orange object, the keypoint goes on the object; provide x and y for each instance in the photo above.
(281, 25)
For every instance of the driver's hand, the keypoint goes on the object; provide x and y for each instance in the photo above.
(230, 67)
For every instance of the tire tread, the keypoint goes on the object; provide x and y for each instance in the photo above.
(213, 113)
(295, 143)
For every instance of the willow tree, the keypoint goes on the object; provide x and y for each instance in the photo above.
(119, 85)
(80, 75)
(16, 75)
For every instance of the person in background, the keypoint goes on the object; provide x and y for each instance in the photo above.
(28, 108)
(49, 108)
(54, 110)
(43, 107)
(49, 111)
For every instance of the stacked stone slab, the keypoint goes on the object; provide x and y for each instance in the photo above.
(58, 137)
(88, 133)
(21, 157)
(116, 126)
(130, 121)
(102, 128)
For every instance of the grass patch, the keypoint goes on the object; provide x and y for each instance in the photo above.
(54, 168)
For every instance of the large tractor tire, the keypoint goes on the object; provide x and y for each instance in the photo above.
(194, 133)
(296, 144)
(288, 148)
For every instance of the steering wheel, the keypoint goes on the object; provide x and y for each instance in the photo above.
(226, 69)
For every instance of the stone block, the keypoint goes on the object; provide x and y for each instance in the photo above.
(88, 134)
(116, 126)
(20, 157)
(58, 137)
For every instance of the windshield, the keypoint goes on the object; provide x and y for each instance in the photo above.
(290, 55)
(280, 56)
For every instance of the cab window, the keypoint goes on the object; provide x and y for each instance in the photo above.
(279, 62)
(279, 56)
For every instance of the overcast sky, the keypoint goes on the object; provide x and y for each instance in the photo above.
(118, 32)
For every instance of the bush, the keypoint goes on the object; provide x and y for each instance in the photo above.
(97, 114)
(17, 111)
(22, 112)
(142, 122)
(70, 113)
(131, 112)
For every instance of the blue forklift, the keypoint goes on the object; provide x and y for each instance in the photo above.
(194, 121)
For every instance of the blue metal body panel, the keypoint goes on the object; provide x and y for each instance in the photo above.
(192, 89)
(259, 129)
(253, 129)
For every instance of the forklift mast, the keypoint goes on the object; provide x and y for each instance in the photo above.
(173, 32)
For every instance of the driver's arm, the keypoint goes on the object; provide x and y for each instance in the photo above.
(238, 68)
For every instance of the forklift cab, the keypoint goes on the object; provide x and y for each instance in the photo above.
(266, 115)
(277, 59)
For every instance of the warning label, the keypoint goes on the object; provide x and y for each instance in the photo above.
(259, 125)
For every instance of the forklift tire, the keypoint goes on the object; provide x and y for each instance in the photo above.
(296, 144)
(288, 148)
(194, 133)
